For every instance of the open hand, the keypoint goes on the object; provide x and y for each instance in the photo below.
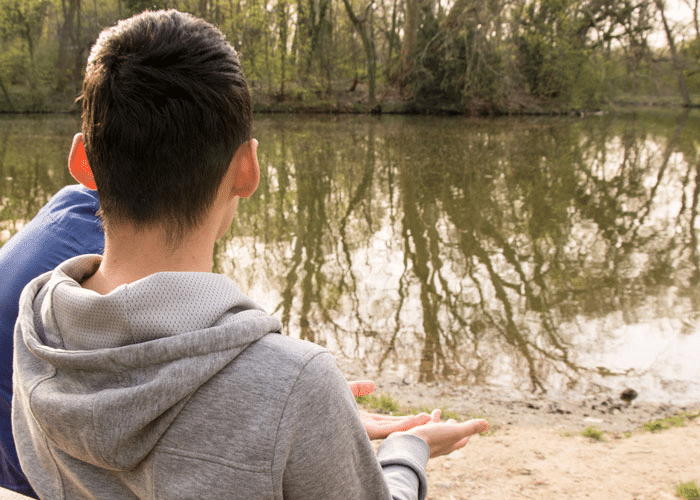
(380, 426)
(446, 437)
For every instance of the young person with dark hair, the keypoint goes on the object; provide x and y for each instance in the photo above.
(140, 374)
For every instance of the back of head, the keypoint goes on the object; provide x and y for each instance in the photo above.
(165, 107)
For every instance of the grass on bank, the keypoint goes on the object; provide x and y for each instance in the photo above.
(383, 403)
(593, 433)
(688, 491)
(679, 420)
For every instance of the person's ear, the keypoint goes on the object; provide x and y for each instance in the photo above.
(247, 169)
(78, 164)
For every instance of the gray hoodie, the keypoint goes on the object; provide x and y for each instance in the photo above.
(177, 386)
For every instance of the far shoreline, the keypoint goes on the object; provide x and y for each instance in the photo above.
(357, 104)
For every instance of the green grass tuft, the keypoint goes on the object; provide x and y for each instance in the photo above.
(593, 432)
(679, 420)
(383, 403)
(656, 426)
(688, 491)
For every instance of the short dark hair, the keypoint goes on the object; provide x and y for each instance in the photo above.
(165, 106)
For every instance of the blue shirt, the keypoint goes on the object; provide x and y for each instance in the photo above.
(66, 226)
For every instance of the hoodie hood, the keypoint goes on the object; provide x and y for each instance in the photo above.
(104, 376)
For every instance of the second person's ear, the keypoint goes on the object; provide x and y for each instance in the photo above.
(78, 164)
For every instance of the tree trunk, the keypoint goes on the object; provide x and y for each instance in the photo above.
(300, 38)
(282, 22)
(393, 36)
(364, 28)
(410, 36)
(6, 94)
(317, 25)
(674, 55)
(30, 47)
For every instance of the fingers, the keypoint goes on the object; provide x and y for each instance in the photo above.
(422, 418)
(361, 387)
(435, 415)
(411, 421)
(477, 426)
(380, 426)
(445, 437)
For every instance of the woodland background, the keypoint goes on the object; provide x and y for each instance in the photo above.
(455, 56)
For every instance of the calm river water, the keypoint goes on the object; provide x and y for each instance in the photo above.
(545, 254)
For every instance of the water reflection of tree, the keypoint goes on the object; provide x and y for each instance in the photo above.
(312, 178)
(479, 220)
(309, 190)
(33, 162)
(623, 199)
(362, 193)
(509, 231)
(523, 228)
(549, 222)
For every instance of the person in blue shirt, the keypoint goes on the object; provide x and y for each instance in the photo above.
(66, 226)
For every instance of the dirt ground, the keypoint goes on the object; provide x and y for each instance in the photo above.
(542, 462)
(536, 449)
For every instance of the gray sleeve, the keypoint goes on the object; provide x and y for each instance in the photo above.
(403, 459)
(322, 449)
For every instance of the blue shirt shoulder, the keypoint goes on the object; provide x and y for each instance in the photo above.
(66, 226)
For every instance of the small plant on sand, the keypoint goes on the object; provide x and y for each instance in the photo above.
(383, 403)
(679, 420)
(593, 432)
(656, 426)
(688, 491)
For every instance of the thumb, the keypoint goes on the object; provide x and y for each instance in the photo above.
(361, 387)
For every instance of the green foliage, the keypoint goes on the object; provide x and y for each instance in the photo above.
(484, 56)
(593, 433)
(136, 6)
(553, 56)
(452, 72)
(555, 71)
(688, 491)
(14, 64)
(656, 426)
(383, 403)
(679, 420)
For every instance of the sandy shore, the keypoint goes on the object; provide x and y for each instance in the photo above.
(543, 463)
(535, 449)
